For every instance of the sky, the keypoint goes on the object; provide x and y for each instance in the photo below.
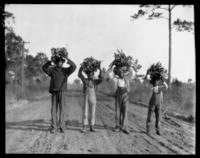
(99, 30)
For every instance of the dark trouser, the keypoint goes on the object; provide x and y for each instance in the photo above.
(154, 106)
(57, 108)
(121, 108)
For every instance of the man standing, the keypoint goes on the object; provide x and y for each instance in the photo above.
(58, 89)
(89, 86)
(122, 89)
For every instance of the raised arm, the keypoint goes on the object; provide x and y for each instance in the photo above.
(164, 86)
(68, 71)
(127, 82)
(46, 68)
(80, 75)
(100, 77)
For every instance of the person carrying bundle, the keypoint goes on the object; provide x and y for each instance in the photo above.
(156, 72)
(124, 68)
(58, 86)
(89, 66)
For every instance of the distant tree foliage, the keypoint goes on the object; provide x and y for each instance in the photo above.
(5, 15)
(34, 65)
(183, 25)
(156, 11)
(14, 45)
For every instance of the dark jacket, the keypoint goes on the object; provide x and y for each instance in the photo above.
(58, 76)
(87, 83)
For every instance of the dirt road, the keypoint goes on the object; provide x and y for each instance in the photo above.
(27, 131)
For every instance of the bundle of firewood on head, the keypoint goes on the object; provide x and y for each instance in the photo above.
(124, 63)
(157, 72)
(58, 54)
(90, 65)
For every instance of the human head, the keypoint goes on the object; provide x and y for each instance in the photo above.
(122, 71)
(59, 61)
(90, 75)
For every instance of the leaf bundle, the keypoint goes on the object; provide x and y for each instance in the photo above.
(121, 60)
(58, 53)
(156, 72)
(90, 65)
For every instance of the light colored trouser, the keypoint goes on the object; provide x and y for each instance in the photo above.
(89, 106)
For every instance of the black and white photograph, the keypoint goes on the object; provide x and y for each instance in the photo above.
(100, 79)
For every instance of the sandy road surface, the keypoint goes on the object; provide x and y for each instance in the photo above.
(27, 131)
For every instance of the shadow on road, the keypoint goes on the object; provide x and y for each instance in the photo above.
(29, 125)
(76, 125)
(43, 125)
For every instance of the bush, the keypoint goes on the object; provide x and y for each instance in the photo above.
(140, 92)
(107, 87)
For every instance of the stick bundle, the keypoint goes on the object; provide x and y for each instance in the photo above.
(156, 72)
(90, 65)
(121, 60)
(58, 53)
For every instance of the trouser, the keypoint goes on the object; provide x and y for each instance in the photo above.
(121, 108)
(58, 101)
(89, 106)
(153, 108)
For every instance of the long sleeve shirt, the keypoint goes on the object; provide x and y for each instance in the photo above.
(58, 75)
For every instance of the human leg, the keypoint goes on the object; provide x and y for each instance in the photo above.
(53, 112)
(157, 116)
(124, 111)
(149, 113)
(85, 113)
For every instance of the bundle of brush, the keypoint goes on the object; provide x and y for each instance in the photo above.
(121, 60)
(58, 54)
(90, 65)
(156, 72)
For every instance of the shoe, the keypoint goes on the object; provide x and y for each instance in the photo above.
(84, 130)
(116, 129)
(158, 132)
(61, 130)
(52, 130)
(126, 131)
(147, 130)
(92, 129)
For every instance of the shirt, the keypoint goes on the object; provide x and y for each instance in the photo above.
(89, 83)
(58, 76)
(157, 96)
(160, 87)
(122, 82)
